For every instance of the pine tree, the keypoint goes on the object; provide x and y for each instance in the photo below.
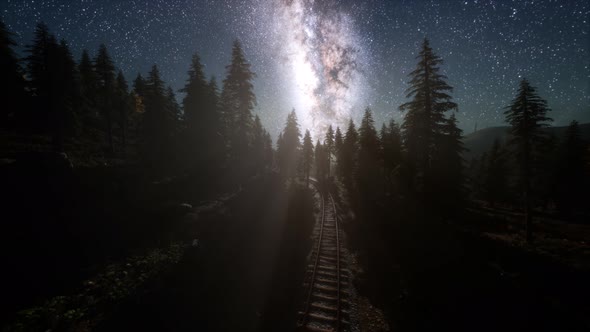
(289, 146)
(88, 88)
(195, 100)
(527, 115)
(65, 95)
(139, 86)
(338, 141)
(157, 125)
(367, 173)
(307, 156)
(11, 80)
(238, 101)
(425, 118)
(447, 185)
(105, 73)
(391, 152)
(329, 146)
(320, 161)
(123, 106)
(38, 70)
(348, 155)
(201, 114)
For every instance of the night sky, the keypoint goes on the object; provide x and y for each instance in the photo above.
(331, 59)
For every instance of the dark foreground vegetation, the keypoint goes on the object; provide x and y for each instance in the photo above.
(126, 210)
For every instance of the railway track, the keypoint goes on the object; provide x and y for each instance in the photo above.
(326, 305)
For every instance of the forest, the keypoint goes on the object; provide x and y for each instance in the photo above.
(119, 196)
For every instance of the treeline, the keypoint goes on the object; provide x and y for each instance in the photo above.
(91, 103)
(421, 159)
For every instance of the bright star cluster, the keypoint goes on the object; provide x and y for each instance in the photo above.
(329, 59)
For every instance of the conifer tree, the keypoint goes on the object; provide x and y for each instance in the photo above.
(527, 115)
(425, 118)
(157, 127)
(329, 146)
(201, 114)
(338, 141)
(11, 80)
(124, 106)
(348, 155)
(447, 185)
(367, 174)
(88, 88)
(289, 146)
(320, 161)
(307, 156)
(105, 73)
(38, 70)
(238, 101)
(391, 151)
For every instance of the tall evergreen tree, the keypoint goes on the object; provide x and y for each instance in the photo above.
(391, 152)
(329, 146)
(11, 80)
(320, 161)
(307, 156)
(238, 101)
(157, 126)
(338, 141)
(348, 154)
(88, 88)
(289, 146)
(201, 114)
(425, 118)
(123, 105)
(105, 73)
(448, 184)
(368, 171)
(38, 70)
(527, 115)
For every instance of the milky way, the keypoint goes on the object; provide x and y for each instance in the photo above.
(329, 59)
(321, 49)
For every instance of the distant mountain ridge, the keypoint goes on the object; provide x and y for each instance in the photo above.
(481, 141)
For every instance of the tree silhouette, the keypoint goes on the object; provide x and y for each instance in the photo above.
(424, 120)
(105, 73)
(348, 154)
(38, 64)
(527, 115)
(88, 88)
(329, 146)
(123, 106)
(447, 184)
(11, 80)
(288, 146)
(369, 170)
(391, 152)
(201, 114)
(238, 101)
(307, 156)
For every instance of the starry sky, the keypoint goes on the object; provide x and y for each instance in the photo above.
(329, 59)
